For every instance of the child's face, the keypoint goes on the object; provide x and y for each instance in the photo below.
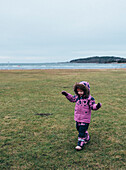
(80, 92)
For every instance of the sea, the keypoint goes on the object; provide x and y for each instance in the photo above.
(28, 66)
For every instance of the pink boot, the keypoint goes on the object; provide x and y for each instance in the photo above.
(87, 138)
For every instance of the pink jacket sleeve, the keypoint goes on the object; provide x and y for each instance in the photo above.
(71, 98)
(93, 105)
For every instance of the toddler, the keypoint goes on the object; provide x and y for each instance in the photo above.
(82, 114)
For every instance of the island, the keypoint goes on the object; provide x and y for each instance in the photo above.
(100, 59)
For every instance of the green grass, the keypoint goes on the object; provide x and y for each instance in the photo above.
(30, 141)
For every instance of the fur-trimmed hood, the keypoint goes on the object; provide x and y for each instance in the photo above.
(83, 85)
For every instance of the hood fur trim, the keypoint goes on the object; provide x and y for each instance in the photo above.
(82, 87)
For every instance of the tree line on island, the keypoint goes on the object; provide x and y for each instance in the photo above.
(102, 59)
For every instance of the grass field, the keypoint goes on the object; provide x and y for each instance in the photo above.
(32, 141)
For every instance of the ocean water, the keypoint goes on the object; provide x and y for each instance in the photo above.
(22, 66)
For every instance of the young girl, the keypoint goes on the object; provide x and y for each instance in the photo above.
(82, 115)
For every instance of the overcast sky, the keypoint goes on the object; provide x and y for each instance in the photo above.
(61, 30)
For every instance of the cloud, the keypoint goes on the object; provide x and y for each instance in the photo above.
(5, 57)
(61, 28)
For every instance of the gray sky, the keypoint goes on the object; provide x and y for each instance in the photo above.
(61, 30)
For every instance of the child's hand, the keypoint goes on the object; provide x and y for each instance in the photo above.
(99, 105)
(64, 93)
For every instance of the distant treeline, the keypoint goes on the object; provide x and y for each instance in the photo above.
(97, 59)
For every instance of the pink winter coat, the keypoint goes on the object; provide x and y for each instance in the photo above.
(83, 108)
(83, 105)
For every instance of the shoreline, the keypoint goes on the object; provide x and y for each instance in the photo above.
(62, 63)
(44, 66)
(27, 70)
